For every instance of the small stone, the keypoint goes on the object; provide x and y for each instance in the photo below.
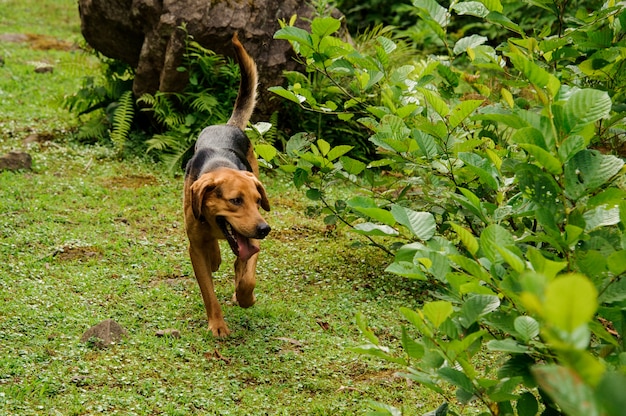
(16, 161)
(44, 69)
(170, 332)
(104, 334)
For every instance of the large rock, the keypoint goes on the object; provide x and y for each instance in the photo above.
(146, 35)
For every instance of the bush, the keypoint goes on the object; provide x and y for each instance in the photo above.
(164, 124)
(488, 183)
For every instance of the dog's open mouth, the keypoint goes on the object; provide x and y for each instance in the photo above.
(242, 246)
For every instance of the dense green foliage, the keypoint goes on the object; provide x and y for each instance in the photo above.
(479, 143)
(164, 124)
(492, 189)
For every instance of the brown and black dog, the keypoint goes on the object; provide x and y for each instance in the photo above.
(222, 197)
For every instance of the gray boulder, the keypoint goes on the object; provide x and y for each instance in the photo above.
(146, 35)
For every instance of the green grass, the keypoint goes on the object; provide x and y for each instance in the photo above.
(85, 237)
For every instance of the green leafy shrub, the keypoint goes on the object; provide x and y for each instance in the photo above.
(166, 124)
(99, 101)
(488, 182)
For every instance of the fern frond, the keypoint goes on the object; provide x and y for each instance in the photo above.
(172, 148)
(205, 103)
(123, 120)
(93, 128)
(272, 134)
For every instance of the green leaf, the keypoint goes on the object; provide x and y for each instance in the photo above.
(324, 26)
(400, 75)
(493, 5)
(472, 8)
(363, 325)
(289, 95)
(426, 143)
(476, 306)
(609, 197)
(567, 390)
(526, 327)
(530, 135)
(544, 158)
(610, 393)
(617, 262)
(587, 106)
(324, 147)
(338, 151)
(372, 229)
(540, 187)
(491, 238)
(456, 378)
(615, 292)
(548, 268)
(412, 348)
(435, 101)
(512, 259)
(383, 409)
(361, 202)
(468, 42)
(437, 312)
(462, 111)
(406, 269)
(535, 74)
(434, 10)
(601, 217)
(589, 170)
(467, 238)
(480, 166)
(266, 151)
(499, 19)
(378, 352)
(294, 34)
(314, 194)
(421, 224)
(527, 405)
(570, 301)
(387, 44)
(570, 146)
(417, 319)
(507, 345)
(352, 166)
(470, 266)
(472, 203)
(377, 214)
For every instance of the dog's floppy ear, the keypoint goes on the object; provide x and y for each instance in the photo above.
(203, 185)
(265, 203)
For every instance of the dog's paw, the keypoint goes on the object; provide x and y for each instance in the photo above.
(219, 329)
(245, 300)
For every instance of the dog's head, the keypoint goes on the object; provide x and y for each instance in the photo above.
(230, 199)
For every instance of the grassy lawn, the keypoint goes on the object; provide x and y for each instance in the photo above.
(86, 237)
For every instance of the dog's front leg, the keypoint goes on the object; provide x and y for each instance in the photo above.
(201, 261)
(245, 281)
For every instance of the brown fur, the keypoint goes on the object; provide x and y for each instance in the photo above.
(222, 187)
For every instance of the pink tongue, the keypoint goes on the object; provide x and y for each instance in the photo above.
(246, 248)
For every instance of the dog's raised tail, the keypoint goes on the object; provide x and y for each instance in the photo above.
(246, 98)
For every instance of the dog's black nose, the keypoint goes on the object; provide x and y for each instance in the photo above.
(262, 230)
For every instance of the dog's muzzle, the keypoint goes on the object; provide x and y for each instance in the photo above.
(242, 246)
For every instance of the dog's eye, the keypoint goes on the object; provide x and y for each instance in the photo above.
(236, 201)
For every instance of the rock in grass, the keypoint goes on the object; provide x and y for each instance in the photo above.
(104, 334)
(16, 161)
(170, 332)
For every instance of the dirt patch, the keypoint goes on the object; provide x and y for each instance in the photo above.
(39, 42)
(130, 182)
(71, 253)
